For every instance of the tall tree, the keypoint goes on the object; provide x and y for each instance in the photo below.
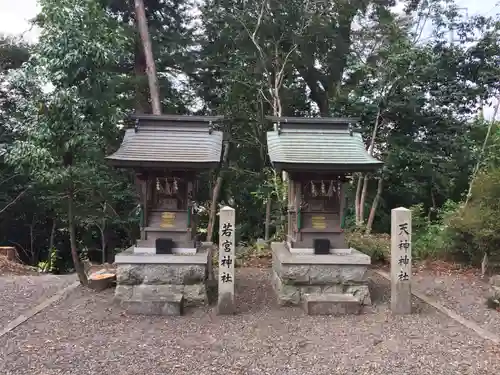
(142, 25)
(64, 142)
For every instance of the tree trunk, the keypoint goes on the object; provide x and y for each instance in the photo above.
(142, 24)
(32, 242)
(434, 206)
(362, 200)
(361, 192)
(373, 210)
(103, 244)
(80, 271)
(215, 194)
(52, 234)
(357, 198)
(141, 100)
(478, 164)
(268, 218)
(374, 134)
(365, 180)
(51, 244)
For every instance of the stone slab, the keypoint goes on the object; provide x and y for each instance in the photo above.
(495, 280)
(154, 274)
(129, 257)
(194, 295)
(319, 274)
(123, 292)
(175, 250)
(310, 251)
(284, 256)
(156, 292)
(493, 292)
(360, 292)
(331, 304)
(289, 295)
(171, 307)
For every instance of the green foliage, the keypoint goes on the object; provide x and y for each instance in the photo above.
(63, 134)
(431, 237)
(52, 263)
(476, 228)
(60, 110)
(377, 246)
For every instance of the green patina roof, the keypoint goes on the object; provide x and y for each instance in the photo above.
(325, 144)
(170, 141)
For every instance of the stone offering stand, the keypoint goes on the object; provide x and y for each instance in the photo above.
(323, 284)
(154, 284)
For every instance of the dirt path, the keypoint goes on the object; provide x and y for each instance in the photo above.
(86, 334)
(20, 293)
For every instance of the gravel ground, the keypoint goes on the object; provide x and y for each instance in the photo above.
(463, 292)
(86, 334)
(18, 294)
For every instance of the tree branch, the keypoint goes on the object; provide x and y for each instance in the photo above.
(15, 200)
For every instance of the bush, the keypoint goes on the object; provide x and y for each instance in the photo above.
(475, 230)
(377, 246)
(432, 238)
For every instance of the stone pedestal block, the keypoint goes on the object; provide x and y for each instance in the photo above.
(331, 304)
(169, 306)
(155, 284)
(295, 276)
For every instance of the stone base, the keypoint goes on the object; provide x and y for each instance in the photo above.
(193, 295)
(175, 250)
(171, 306)
(493, 293)
(296, 276)
(331, 304)
(155, 284)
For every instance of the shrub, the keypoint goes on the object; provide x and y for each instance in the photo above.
(475, 229)
(431, 238)
(377, 246)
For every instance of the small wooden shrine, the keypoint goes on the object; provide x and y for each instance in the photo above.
(319, 155)
(167, 269)
(167, 153)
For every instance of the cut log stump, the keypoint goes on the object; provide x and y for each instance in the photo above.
(101, 280)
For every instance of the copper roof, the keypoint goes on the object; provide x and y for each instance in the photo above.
(318, 143)
(170, 141)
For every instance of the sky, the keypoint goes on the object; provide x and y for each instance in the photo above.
(15, 16)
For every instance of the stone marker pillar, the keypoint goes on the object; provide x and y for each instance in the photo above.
(226, 304)
(401, 260)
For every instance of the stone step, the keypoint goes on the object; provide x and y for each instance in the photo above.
(171, 305)
(331, 304)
